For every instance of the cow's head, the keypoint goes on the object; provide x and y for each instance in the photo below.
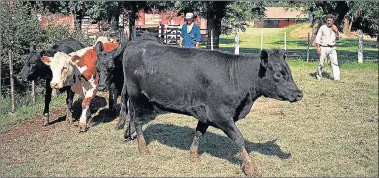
(33, 67)
(106, 64)
(275, 77)
(61, 66)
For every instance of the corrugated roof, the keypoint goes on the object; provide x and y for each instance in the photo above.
(282, 13)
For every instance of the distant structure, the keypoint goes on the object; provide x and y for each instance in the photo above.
(280, 17)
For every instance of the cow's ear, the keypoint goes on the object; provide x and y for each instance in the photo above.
(99, 47)
(46, 60)
(75, 59)
(264, 59)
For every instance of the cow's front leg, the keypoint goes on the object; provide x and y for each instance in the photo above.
(69, 100)
(112, 97)
(231, 130)
(46, 114)
(83, 118)
(201, 128)
(86, 113)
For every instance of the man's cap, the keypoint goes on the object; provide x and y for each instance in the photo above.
(189, 15)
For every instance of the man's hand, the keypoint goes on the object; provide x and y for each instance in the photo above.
(197, 45)
(319, 51)
(180, 45)
(335, 29)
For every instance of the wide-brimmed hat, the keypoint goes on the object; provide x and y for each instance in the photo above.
(189, 15)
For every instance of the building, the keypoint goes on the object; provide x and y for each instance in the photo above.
(155, 18)
(280, 17)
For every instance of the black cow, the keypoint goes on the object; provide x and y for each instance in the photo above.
(109, 65)
(34, 69)
(216, 88)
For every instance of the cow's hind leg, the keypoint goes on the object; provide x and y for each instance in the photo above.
(124, 115)
(46, 114)
(136, 111)
(69, 100)
(201, 128)
(231, 130)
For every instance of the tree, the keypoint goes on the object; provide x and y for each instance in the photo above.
(238, 13)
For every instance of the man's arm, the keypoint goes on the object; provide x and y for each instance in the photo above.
(335, 29)
(198, 36)
(181, 37)
(318, 40)
(180, 41)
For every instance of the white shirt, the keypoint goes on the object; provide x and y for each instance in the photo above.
(326, 36)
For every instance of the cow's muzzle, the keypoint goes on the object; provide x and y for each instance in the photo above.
(21, 78)
(298, 96)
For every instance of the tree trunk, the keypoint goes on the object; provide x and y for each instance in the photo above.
(132, 22)
(351, 24)
(216, 11)
(346, 24)
(341, 10)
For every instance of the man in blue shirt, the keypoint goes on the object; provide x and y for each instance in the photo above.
(190, 36)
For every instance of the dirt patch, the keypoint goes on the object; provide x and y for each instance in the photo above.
(301, 32)
(265, 103)
(34, 126)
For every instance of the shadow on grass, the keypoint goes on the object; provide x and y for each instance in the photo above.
(97, 105)
(213, 144)
(324, 75)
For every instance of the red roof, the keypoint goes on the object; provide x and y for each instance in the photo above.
(283, 13)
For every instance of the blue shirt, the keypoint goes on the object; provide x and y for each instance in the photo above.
(190, 39)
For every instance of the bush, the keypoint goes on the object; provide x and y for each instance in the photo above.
(20, 29)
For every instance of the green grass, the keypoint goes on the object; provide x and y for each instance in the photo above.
(26, 111)
(297, 48)
(332, 131)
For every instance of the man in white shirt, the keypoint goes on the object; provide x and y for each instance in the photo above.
(326, 41)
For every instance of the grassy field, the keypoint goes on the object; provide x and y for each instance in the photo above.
(333, 131)
(297, 48)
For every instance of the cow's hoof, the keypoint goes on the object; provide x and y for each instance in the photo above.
(69, 120)
(194, 157)
(45, 123)
(82, 127)
(120, 124)
(45, 120)
(251, 170)
(144, 151)
(130, 138)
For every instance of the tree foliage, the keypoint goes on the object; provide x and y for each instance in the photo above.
(238, 12)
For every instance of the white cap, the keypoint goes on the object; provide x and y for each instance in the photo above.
(189, 15)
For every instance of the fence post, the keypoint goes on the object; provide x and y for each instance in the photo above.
(176, 35)
(11, 79)
(285, 41)
(134, 32)
(1, 95)
(261, 40)
(308, 46)
(212, 39)
(236, 42)
(360, 47)
(33, 95)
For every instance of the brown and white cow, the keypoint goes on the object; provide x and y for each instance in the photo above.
(63, 67)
